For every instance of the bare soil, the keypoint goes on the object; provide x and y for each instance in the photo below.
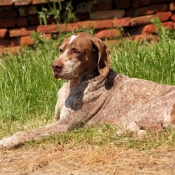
(55, 159)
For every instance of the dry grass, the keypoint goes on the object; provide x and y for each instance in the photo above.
(88, 160)
(93, 151)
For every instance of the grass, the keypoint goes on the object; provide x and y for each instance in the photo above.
(107, 135)
(27, 87)
(28, 90)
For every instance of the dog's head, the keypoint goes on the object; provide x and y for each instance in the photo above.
(80, 54)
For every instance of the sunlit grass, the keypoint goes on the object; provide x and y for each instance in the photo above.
(109, 135)
(27, 87)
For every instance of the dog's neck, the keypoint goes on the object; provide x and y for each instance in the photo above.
(84, 77)
(90, 88)
(95, 78)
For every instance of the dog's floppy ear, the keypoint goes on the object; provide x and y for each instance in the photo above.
(103, 56)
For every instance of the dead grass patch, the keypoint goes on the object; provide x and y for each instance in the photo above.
(88, 159)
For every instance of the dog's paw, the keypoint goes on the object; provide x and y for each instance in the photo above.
(14, 141)
(6, 143)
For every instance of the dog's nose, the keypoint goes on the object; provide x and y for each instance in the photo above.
(56, 66)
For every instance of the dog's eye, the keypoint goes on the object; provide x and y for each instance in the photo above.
(76, 51)
(61, 51)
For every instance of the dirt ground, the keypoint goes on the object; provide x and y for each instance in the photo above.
(55, 159)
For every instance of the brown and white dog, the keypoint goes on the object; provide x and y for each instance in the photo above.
(95, 94)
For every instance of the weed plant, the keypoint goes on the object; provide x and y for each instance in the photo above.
(28, 89)
(58, 12)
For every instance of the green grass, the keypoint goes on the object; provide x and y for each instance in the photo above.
(154, 61)
(108, 135)
(28, 89)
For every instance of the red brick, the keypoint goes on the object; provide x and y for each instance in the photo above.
(26, 40)
(54, 28)
(8, 22)
(168, 25)
(21, 22)
(46, 36)
(69, 27)
(3, 33)
(9, 42)
(86, 24)
(43, 1)
(142, 20)
(173, 17)
(26, 11)
(22, 2)
(8, 13)
(13, 50)
(149, 10)
(110, 33)
(164, 16)
(21, 31)
(82, 16)
(159, 1)
(51, 28)
(172, 6)
(123, 22)
(145, 37)
(140, 3)
(38, 2)
(33, 20)
(6, 2)
(107, 14)
(148, 29)
(98, 24)
(6, 50)
(122, 4)
(102, 24)
(101, 6)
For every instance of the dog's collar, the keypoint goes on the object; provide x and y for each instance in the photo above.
(91, 75)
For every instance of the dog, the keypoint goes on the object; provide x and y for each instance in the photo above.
(95, 94)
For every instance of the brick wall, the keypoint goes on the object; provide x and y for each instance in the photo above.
(19, 18)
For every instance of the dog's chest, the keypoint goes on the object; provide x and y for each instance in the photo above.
(80, 99)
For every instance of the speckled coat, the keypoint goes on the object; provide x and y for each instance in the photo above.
(130, 103)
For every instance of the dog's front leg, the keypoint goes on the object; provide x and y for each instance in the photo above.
(23, 136)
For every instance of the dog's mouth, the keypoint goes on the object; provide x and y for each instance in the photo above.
(60, 74)
(56, 75)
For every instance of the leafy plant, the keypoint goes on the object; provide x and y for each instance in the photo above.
(162, 32)
(55, 9)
